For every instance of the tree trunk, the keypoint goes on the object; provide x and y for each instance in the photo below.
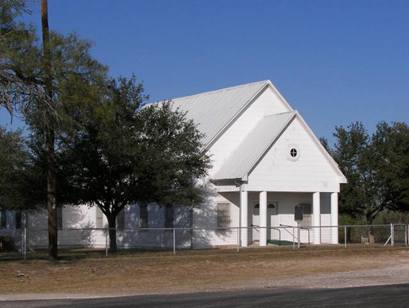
(112, 232)
(369, 221)
(49, 136)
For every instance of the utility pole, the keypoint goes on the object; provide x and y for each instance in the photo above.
(49, 137)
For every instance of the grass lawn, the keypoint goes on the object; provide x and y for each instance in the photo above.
(197, 270)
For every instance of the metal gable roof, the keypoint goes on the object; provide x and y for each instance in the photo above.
(253, 147)
(213, 111)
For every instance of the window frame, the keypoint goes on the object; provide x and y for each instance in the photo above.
(290, 149)
(223, 220)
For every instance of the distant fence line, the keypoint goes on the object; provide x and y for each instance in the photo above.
(26, 241)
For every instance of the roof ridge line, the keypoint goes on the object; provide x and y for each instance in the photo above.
(261, 82)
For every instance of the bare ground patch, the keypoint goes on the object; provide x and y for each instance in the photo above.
(213, 270)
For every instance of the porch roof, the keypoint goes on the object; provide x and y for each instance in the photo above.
(254, 146)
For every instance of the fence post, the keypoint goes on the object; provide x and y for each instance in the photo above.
(392, 235)
(25, 235)
(299, 235)
(293, 239)
(309, 239)
(24, 242)
(174, 241)
(106, 242)
(406, 235)
(238, 239)
(345, 236)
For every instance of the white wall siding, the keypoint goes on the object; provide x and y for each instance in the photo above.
(278, 172)
(134, 237)
(205, 222)
(267, 103)
(75, 232)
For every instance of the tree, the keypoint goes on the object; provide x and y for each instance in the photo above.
(390, 144)
(20, 59)
(124, 154)
(44, 82)
(13, 166)
(21, 178)
(376, 166)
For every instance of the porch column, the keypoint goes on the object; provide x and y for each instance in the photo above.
(316, 217)
(244, 222)
(334, 217)
(263, 218)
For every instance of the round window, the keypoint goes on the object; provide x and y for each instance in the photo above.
(293, 152)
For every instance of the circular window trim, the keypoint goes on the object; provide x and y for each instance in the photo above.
(291, 150)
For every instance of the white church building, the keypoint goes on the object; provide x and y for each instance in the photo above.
(266, 161)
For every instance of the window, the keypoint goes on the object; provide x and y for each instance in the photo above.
(59, 218)
(18, 219)
(169, 216)
(293, 152)
(3, 219)
(223, 215)
(273, 208)
(143, 216)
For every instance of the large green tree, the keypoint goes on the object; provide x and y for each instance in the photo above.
(123, 154)
(43, 80)
(376, 166)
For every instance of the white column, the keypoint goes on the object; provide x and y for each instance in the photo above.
(244, 223)
(263, 218)
(316, 217)
(334, 217)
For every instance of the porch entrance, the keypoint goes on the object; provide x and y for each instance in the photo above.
(272, 220)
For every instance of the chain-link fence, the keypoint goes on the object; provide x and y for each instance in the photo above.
(25, 242)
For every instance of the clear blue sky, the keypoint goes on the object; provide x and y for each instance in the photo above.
(335, 61)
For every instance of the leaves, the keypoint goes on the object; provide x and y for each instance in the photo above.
(122, 153)
(376, 166)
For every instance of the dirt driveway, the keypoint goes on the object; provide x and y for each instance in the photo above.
(213, 270)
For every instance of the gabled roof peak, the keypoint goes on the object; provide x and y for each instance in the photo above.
(213, 111)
